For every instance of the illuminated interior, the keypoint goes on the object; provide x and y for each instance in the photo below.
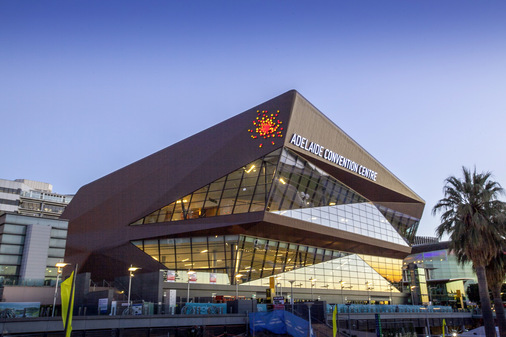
(256, 259)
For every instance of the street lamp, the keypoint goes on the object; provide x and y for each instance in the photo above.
(237, 277)
(131, 271)
(291, 293)
(278, 285)
(390, 287)
(369, 288)
(349, 320)
(313, 280)
(309, 305)
(60, 266)
(190, 274)
(342, 287)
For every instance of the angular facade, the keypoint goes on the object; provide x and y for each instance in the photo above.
(278, 190)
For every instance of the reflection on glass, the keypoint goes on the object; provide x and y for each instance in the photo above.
(257, 259)
(244, 190)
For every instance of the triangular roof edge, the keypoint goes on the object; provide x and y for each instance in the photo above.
(355, 143)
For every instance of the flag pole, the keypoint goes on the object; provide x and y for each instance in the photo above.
(71, 302)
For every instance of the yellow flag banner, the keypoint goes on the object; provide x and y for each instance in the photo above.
(67, 303)
(334, 321)
(444, 327)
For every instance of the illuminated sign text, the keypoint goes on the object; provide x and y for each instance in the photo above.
(333, 157)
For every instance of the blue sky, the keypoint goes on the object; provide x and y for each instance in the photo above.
(87, 87)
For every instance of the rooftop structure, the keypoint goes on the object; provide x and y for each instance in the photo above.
(33, 198)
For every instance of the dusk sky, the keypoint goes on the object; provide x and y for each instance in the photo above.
(87, 87)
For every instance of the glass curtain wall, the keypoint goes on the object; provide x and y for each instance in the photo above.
(257, 259)
(303, 191)
(244, 190)
(297, 189)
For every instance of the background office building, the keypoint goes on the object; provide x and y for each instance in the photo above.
(276, 191)
(30, 247)
(32, 237)
(33, 198)
(431, 273)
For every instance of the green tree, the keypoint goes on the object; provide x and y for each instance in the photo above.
(467, 210)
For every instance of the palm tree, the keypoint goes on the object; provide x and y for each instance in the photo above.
(467, 208)
(496, 272)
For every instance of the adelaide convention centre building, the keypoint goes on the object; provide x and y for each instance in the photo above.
(276, 191)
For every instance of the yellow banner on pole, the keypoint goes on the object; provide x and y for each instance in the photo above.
(67, 303)
(334, 321)
(444, 326)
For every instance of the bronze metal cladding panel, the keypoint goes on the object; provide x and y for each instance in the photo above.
(101, 211)
(310, 123)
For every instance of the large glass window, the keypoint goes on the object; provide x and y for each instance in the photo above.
(243, 190)
(14, 229)
(300, 184)
(302, 191)
(256, 259)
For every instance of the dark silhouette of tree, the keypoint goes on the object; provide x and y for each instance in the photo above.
(467, 212)
(496, 272)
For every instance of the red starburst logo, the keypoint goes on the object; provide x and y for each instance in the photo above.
(266, 126)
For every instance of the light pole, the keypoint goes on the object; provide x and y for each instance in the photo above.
(278, 286)
(291, 293)
(390, 287)
(313, 280)
(349, 320)
(237, 277)
(342, 287)
(60, 266)
(131, 271)
(369, 288)
(309, 305)
(190, 274)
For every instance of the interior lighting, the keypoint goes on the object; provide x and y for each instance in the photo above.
(332, 204)
(282, 181)
(204, 251)
(251, 168)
